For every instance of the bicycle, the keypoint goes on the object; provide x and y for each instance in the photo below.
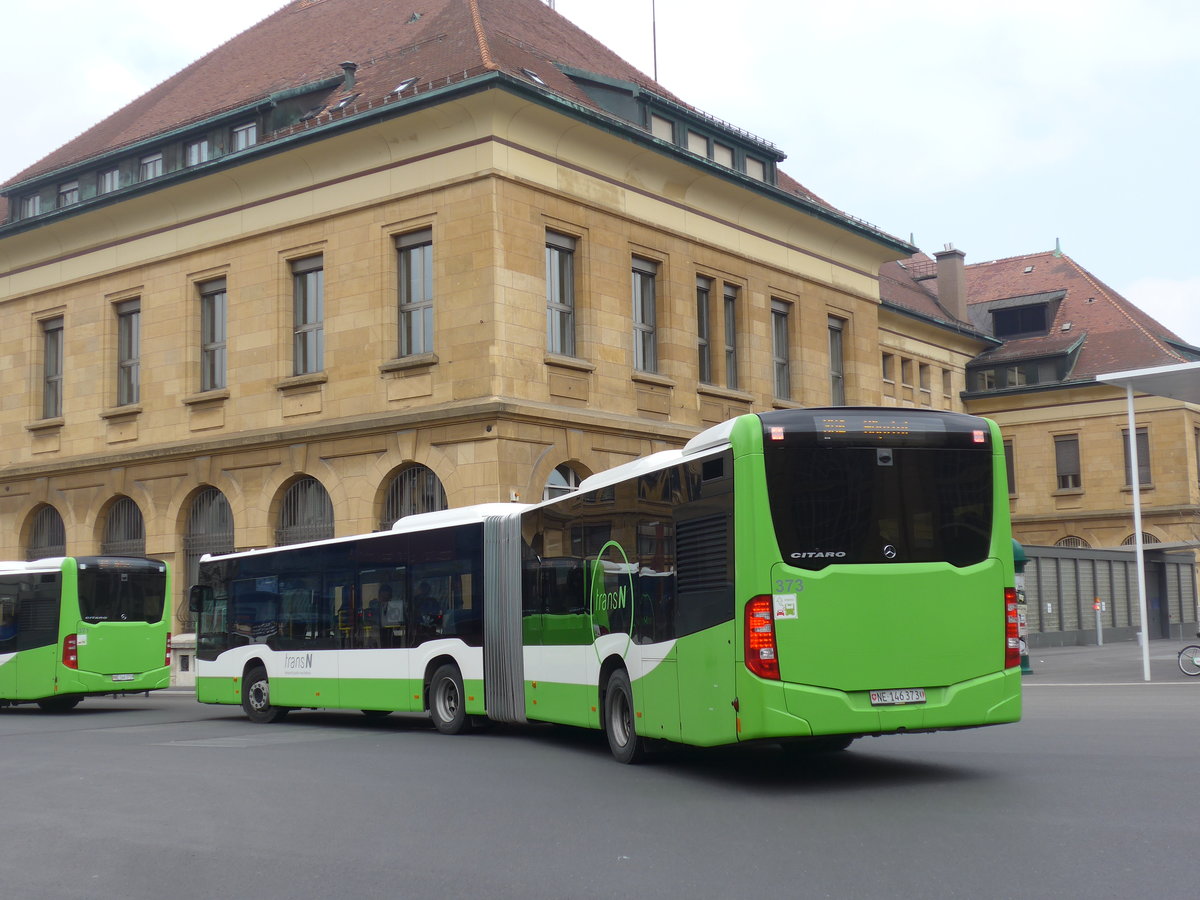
(1189, 659)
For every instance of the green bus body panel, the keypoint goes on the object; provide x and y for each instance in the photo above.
(562, 704)
(706, 673)
(114, 648)
(73, 682)
(871, 627)
(37, 674)
(219, 690)
(656, 697)
(772, 709)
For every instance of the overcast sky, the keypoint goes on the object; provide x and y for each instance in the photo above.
(999, 126)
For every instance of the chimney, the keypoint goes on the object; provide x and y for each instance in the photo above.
(348, 69)
(952, 282)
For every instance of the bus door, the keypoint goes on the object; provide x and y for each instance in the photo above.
(558, 636)
(705, 662)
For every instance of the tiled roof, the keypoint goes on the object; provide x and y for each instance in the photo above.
(435, 41)
(307, 40)
(1116, 334)
(904, 284)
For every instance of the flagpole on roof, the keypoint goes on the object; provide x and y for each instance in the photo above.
(654, 34)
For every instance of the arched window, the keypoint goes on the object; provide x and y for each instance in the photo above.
(48, 536)
(415, 489)
(562, 480)
(124, 530)
(1070, 540)
(209, 530)
(306, 513)
(1147, 538)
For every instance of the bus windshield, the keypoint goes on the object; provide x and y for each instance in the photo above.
(886, 488)
(121, 592)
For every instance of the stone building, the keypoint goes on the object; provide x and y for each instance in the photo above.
(358, 262)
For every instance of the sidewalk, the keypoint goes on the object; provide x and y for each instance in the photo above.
(1116, 663)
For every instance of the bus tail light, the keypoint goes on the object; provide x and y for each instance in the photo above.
(70, 651)
(1012, 632)
(761, 656)
(167, 661)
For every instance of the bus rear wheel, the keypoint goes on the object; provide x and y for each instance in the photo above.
(58, 704)
(256, 698)
(446, 707)
(623, 740)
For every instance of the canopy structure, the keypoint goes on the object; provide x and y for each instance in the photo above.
(1178, 382)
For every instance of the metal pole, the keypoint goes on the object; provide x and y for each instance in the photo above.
(654, 34)
(1135, 482)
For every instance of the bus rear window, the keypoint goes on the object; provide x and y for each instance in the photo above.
(844, 504)
(107, 595)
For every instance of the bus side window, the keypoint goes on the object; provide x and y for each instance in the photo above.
(8, 618)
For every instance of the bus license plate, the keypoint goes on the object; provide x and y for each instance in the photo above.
(123, 678)
(898, 697)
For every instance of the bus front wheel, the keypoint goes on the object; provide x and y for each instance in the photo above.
(623, 740)
(256, 698)
(446, 707)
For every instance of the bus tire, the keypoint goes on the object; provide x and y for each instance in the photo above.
(58, 704)
(623, 740)
(256, 698)
(446, 707)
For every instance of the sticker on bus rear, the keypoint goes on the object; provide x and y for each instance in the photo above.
(785, 606)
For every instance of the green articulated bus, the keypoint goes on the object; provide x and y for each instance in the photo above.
(802, 576)
(75, 627)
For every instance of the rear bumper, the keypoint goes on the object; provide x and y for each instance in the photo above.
(79, 682)
(778, 710)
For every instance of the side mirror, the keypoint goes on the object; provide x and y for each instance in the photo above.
(199, 596)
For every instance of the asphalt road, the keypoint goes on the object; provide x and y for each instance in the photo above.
(1091, 795)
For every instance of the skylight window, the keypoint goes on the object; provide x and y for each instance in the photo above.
(1028, 269)
(533, 76)
(346, 101)
(405, 85)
